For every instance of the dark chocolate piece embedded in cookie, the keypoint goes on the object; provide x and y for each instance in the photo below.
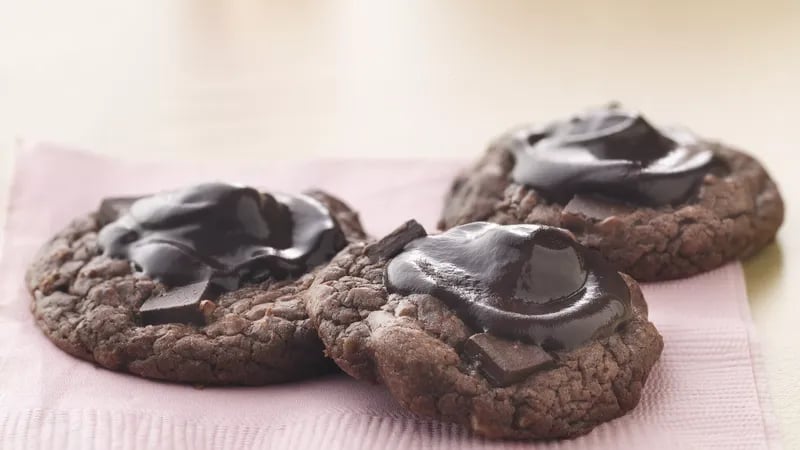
(503, 361)
(659, 203)
(394, 242)
(181, 304)
(481, 324)
(200, 285)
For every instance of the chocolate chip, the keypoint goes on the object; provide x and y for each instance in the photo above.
(179, 305)
(112, 208)
(505, 362)
(594, 208)
(394, 242)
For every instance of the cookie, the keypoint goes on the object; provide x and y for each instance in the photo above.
(513, 331)
(659, 203)
(202, 285)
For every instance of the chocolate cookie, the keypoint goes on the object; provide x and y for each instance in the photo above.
(513, 331)
(659, 203)
(201, 285)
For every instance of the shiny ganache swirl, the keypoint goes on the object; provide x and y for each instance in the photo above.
(527, 282)
(227, 233)
(612, 152)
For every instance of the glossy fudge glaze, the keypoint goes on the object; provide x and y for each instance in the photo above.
(221, 233)
(611, 152)
(525, 282)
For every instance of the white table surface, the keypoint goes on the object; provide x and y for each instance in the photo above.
(261, 80)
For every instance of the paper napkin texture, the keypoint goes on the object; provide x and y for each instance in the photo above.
(707, 391)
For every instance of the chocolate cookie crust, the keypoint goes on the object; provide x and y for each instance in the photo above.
(86, 303)
(734, 213)
(414, 345)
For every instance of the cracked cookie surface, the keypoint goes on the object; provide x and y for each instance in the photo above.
(732, 215)
(86, 304)
(413, 344)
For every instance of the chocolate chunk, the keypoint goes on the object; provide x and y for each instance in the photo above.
(595, 208)
(112, 208)
(179, 305)
(394, 242)
(505, 362)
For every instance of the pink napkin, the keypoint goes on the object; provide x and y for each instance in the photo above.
(706, 391)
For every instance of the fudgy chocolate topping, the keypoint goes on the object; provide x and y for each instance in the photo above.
(226, 233)
(527, 282)
(611, 152)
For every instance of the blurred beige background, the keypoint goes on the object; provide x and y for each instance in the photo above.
(241, 80)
